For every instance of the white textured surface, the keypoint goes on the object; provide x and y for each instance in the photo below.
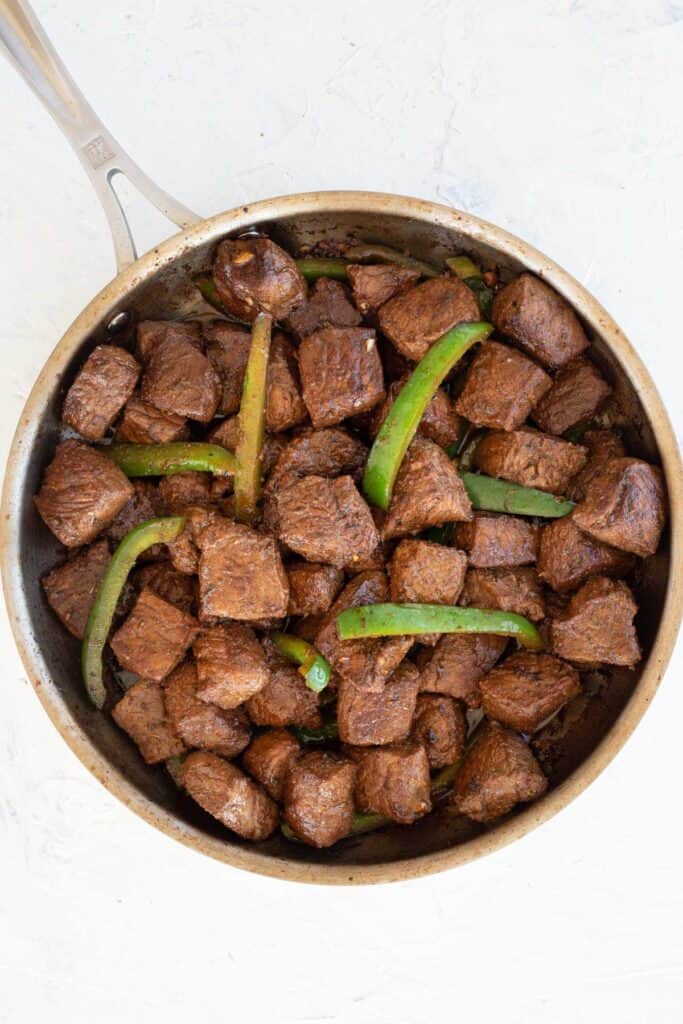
(559, 120)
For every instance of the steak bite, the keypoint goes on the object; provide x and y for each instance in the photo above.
(312, 587)
(144, 504)
(624, 505)
(269, 759)
(539, 320)
(241, 575)
(166, 582)
(415, 320)
(142, 714)
(181, 490)
(199, 724)
(102, 387)
(331, 452)
(458, 663)
(151, 333)
(284, 404)
(369, 719)
(498, 772)
(509, 590)
(501, 388)
(498, 541)
(254, 275)
(426, 573)
(231, 665)
(428, 492)
(82, 492)
(440, 422)
(576, 394)
(285, 699)
(227, 346)
(530, 458)
(179, 379)
(376, 284)
(527, 688)
(143, 423)
(394, 782)
(568, 556)
(70, 588)
(597, 625)
(154, 637)
(602, 446)
(327, 305)
(225, 792)
(318, 795)
(441, 727)
(341, 373)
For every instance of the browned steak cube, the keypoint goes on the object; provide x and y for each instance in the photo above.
(312, 588)
(501, 388)
(81, 494)
(428, 492)
(539, 320)
(102, 387)
(441, 727)
(143, 423)
(426, 573)
(151, 333)
(166, 582)
(145, 503)
(319, 804)
(326, 520)
(458, 663)
(394, 782)
(154, 637)
(285, 406)
(567, 557)
(327, 305)
(285, 699)
(331, 452)
(200, 724)
(577, 393)
(510, 590)
(415, 320)
(181, 490)
(231, 665)
(625, 506)
(498, 541)
(527, 688)
(225, 792)
(241, 575)
(270, 757)
(141, 713)
(498, 772)
(179, 379)
(254, 275)
(597, 626)
(530, 458)
(368, 719)
(376, 284)
(70, 588)
(440, 423)
(341, 373)
(602, 446)
(227, 346)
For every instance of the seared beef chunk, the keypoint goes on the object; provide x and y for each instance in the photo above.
(369, 719)
(285, 699)
(154, 637)
(525, 689)
(319, 798)
(181, 490)
(102, 387)
(326, 520)
(81, 494)
(624, 505)
(501, 388)
(231, 665)
(374, 285)
(241, 575)
(200, 724)
(426, 573)
(498, 772)
(144, 504)
(254, 275)
(498, 541)
(151, 333)
(539, 320)
(327, 305)
(458, 663)
(226, 793)
(332, 452)
(568, 556)
(577, 393)
(70, 588)
(394, 782)
(530, 458)
(415, 320)
(341, 373)
(597, 626)
(428, 492)
(440, 423)
(227, 346)
(312, 588)
(143, 423)
(602, 446)
(440, 725)
(141, 713)
(166, 582)
(269, 759)
(510, 590)
(285, 406)
(179, 379)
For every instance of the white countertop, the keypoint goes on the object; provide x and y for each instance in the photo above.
(558, 120)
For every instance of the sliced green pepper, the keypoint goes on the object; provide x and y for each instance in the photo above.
(413, 619)
(368, 251)
(398, 429)
(492, 495)
(313, 267)
(154, 531)
(175, 457)
(463, 267)
(207, 286)
(312, 666)
(252, 421)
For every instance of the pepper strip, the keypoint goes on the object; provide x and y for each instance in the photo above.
(402, 421)
(368, 251)
(175, 457)
(252, 421)
(207, 286)
(413, 619)
(312, 666)
(154, 531)
(313, 267)
(489, 494)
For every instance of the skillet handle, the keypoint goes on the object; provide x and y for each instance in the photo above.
(28, 48)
